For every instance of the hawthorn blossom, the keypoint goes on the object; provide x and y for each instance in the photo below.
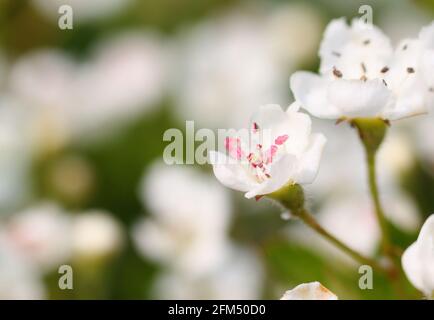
(189, 220)
(309, 291)
(361, 75)
(418, 260)
(281, 151)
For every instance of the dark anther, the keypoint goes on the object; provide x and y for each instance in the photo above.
(405, 47)
(337, 54)
(385, 69)
(337, 73)
(410, 70)
(366, 42)
(363, 67)
(385, 83)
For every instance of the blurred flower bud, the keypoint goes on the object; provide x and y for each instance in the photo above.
(95, 235)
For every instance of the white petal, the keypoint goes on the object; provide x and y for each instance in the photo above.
(427, 230)
(268, 115)
(309, 291)
(336, 36)
(230, 174)
(346, 48)
(412, 266)
(427, 67)
(357, 98)
(412, 100)
(418, 259)
(294, 107)
(308, 165)
(272, 122)
(426, 35)
(298, 129)
(310, 90)
(281, 173)
(296, 125)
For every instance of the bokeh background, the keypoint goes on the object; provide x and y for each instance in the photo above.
(82, 182)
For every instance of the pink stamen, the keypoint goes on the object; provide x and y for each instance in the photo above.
(271, 153)
(281, 139)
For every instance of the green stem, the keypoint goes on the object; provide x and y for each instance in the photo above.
(309, 220)
(379, 212)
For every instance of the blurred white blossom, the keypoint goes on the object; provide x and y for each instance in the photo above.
(15, 156)
(238, 277)
(418, 260)
(189, 219)
(309, 291)
(43, 234)
(125, 76)
(283, 25)
(226, 70)
(338, 179)
(95, 234)
(43, 82)
(18, 277)
(336, 215)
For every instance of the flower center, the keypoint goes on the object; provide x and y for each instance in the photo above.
(256, 159)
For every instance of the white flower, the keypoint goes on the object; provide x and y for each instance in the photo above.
(309, 291)
(418, 260)
(95, 234)
(189, 219)
(360, 76)
(411, 75)
(42, 234)
(282, 151)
